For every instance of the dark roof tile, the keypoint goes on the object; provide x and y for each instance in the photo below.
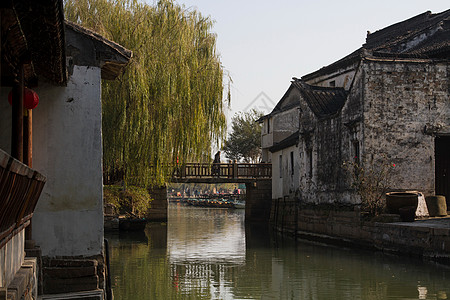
(323, 101)
(429, 30)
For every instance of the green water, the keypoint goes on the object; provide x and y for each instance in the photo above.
(210, 254)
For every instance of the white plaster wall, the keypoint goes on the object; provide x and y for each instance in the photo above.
(342, 78)
(266, 141)
(67, 148)
(11, 258)
(277, 182)
(284, 124)
(267, 137)
(288, 183)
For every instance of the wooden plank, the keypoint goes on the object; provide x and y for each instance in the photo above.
(28, 138)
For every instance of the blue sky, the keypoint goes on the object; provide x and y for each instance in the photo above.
(263, 44)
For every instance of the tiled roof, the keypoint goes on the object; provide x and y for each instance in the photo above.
(33, 38)
(423, 35)
(117, 57)
(323, 101)
(348, 60)
(42, 23)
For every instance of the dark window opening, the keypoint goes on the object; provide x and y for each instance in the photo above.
(292, 163)
(356, 151)
(310, 157)
(281, 165)
(332, 83)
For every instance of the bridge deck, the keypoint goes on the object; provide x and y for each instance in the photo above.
(222, 173)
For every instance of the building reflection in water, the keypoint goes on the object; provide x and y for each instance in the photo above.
(203, 245)
(211, 254)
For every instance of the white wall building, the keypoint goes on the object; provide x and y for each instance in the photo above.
(67, 148)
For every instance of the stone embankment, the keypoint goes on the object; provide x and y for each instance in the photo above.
(428, 237)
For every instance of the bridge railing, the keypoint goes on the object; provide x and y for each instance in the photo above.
(221, 171)
(224, 170)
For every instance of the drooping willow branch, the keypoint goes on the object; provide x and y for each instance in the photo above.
(168, 105)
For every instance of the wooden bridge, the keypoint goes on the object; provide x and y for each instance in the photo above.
(257, 179)
(222, 173)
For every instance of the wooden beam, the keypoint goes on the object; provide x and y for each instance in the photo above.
(28, 138)
(17, 118)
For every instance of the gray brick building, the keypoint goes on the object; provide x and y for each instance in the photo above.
(387, 102)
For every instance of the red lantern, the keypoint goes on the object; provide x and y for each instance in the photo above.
(30, 98)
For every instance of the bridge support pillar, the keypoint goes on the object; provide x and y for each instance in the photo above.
(158, 209)
(258, 201)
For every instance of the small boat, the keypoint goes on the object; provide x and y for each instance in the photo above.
(210, 202)
(239, 204)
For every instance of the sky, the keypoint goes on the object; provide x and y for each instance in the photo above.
(263, 44)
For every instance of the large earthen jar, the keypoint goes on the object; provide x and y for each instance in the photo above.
(397, 200)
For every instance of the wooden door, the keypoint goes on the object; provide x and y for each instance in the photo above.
(442, 169)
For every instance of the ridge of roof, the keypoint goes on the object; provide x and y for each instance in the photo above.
(277, 109)
(389, 40)
(395, 34)
(127, 54)
(341, 63)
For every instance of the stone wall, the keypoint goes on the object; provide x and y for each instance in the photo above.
(324, 145)
(24, 283)
(342, 225)
(401, 100)
(290, 216)
(258, 201)
(66, 275)
(158, 206)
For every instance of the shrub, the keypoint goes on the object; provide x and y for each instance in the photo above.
(133, 201)
(371, 183)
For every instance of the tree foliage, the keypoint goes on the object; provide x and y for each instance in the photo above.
(244, 142)
(168, 105)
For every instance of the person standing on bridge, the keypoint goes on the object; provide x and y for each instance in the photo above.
(216, 162)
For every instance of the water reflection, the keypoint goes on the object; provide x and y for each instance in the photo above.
(210, 254)
(206, 236)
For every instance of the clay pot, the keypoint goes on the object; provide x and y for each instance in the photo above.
(407, 213)
(436, 205)
(397, 200)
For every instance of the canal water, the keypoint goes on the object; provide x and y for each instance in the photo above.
(207, 253)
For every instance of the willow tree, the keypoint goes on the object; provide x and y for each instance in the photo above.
(168, 105)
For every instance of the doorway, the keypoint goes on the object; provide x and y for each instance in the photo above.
(442, 167)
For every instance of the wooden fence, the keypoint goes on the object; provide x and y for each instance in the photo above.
(204, 172)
